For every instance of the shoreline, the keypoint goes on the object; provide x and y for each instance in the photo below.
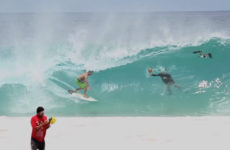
(86, 133)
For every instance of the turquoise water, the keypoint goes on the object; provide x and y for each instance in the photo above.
(41, 56)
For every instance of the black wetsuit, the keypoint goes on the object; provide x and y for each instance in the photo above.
(165, 77)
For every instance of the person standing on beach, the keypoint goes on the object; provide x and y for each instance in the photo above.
(166, 78)
(83, 83)
(39, 124)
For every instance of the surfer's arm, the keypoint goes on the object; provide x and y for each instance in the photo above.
(156, 74)
(195, 52)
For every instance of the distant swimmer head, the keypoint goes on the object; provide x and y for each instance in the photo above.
(150, 70)
(40, 111)
(203, 56)
(90, 72)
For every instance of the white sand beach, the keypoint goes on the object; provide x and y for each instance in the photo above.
(121, 133)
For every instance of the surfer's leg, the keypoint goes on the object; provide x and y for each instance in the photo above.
(85, 90)
(77, 89)
(81, 85)
(176, 86)
(168, 89)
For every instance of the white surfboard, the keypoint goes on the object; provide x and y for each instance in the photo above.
(81, 97)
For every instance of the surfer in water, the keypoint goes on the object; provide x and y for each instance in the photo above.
(166, 78)
(82, 82)
(203, 55)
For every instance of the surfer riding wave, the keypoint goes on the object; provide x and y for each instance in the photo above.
(83, 83)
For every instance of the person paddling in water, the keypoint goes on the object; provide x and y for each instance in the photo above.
(166, 78)
(82, 82)
(203, 55)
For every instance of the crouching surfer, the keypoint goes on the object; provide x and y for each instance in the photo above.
(83, 83)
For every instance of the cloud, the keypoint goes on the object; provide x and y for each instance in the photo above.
(111, 5)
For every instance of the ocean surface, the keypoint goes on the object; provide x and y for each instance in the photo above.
(42, 54)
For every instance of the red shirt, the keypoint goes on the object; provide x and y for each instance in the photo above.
(40, 134)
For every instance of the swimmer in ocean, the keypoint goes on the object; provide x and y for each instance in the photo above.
(166, 78)
(203, 55)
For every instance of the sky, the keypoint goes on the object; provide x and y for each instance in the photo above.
(112, 5)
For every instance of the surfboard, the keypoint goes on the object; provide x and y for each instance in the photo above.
(81, 97)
